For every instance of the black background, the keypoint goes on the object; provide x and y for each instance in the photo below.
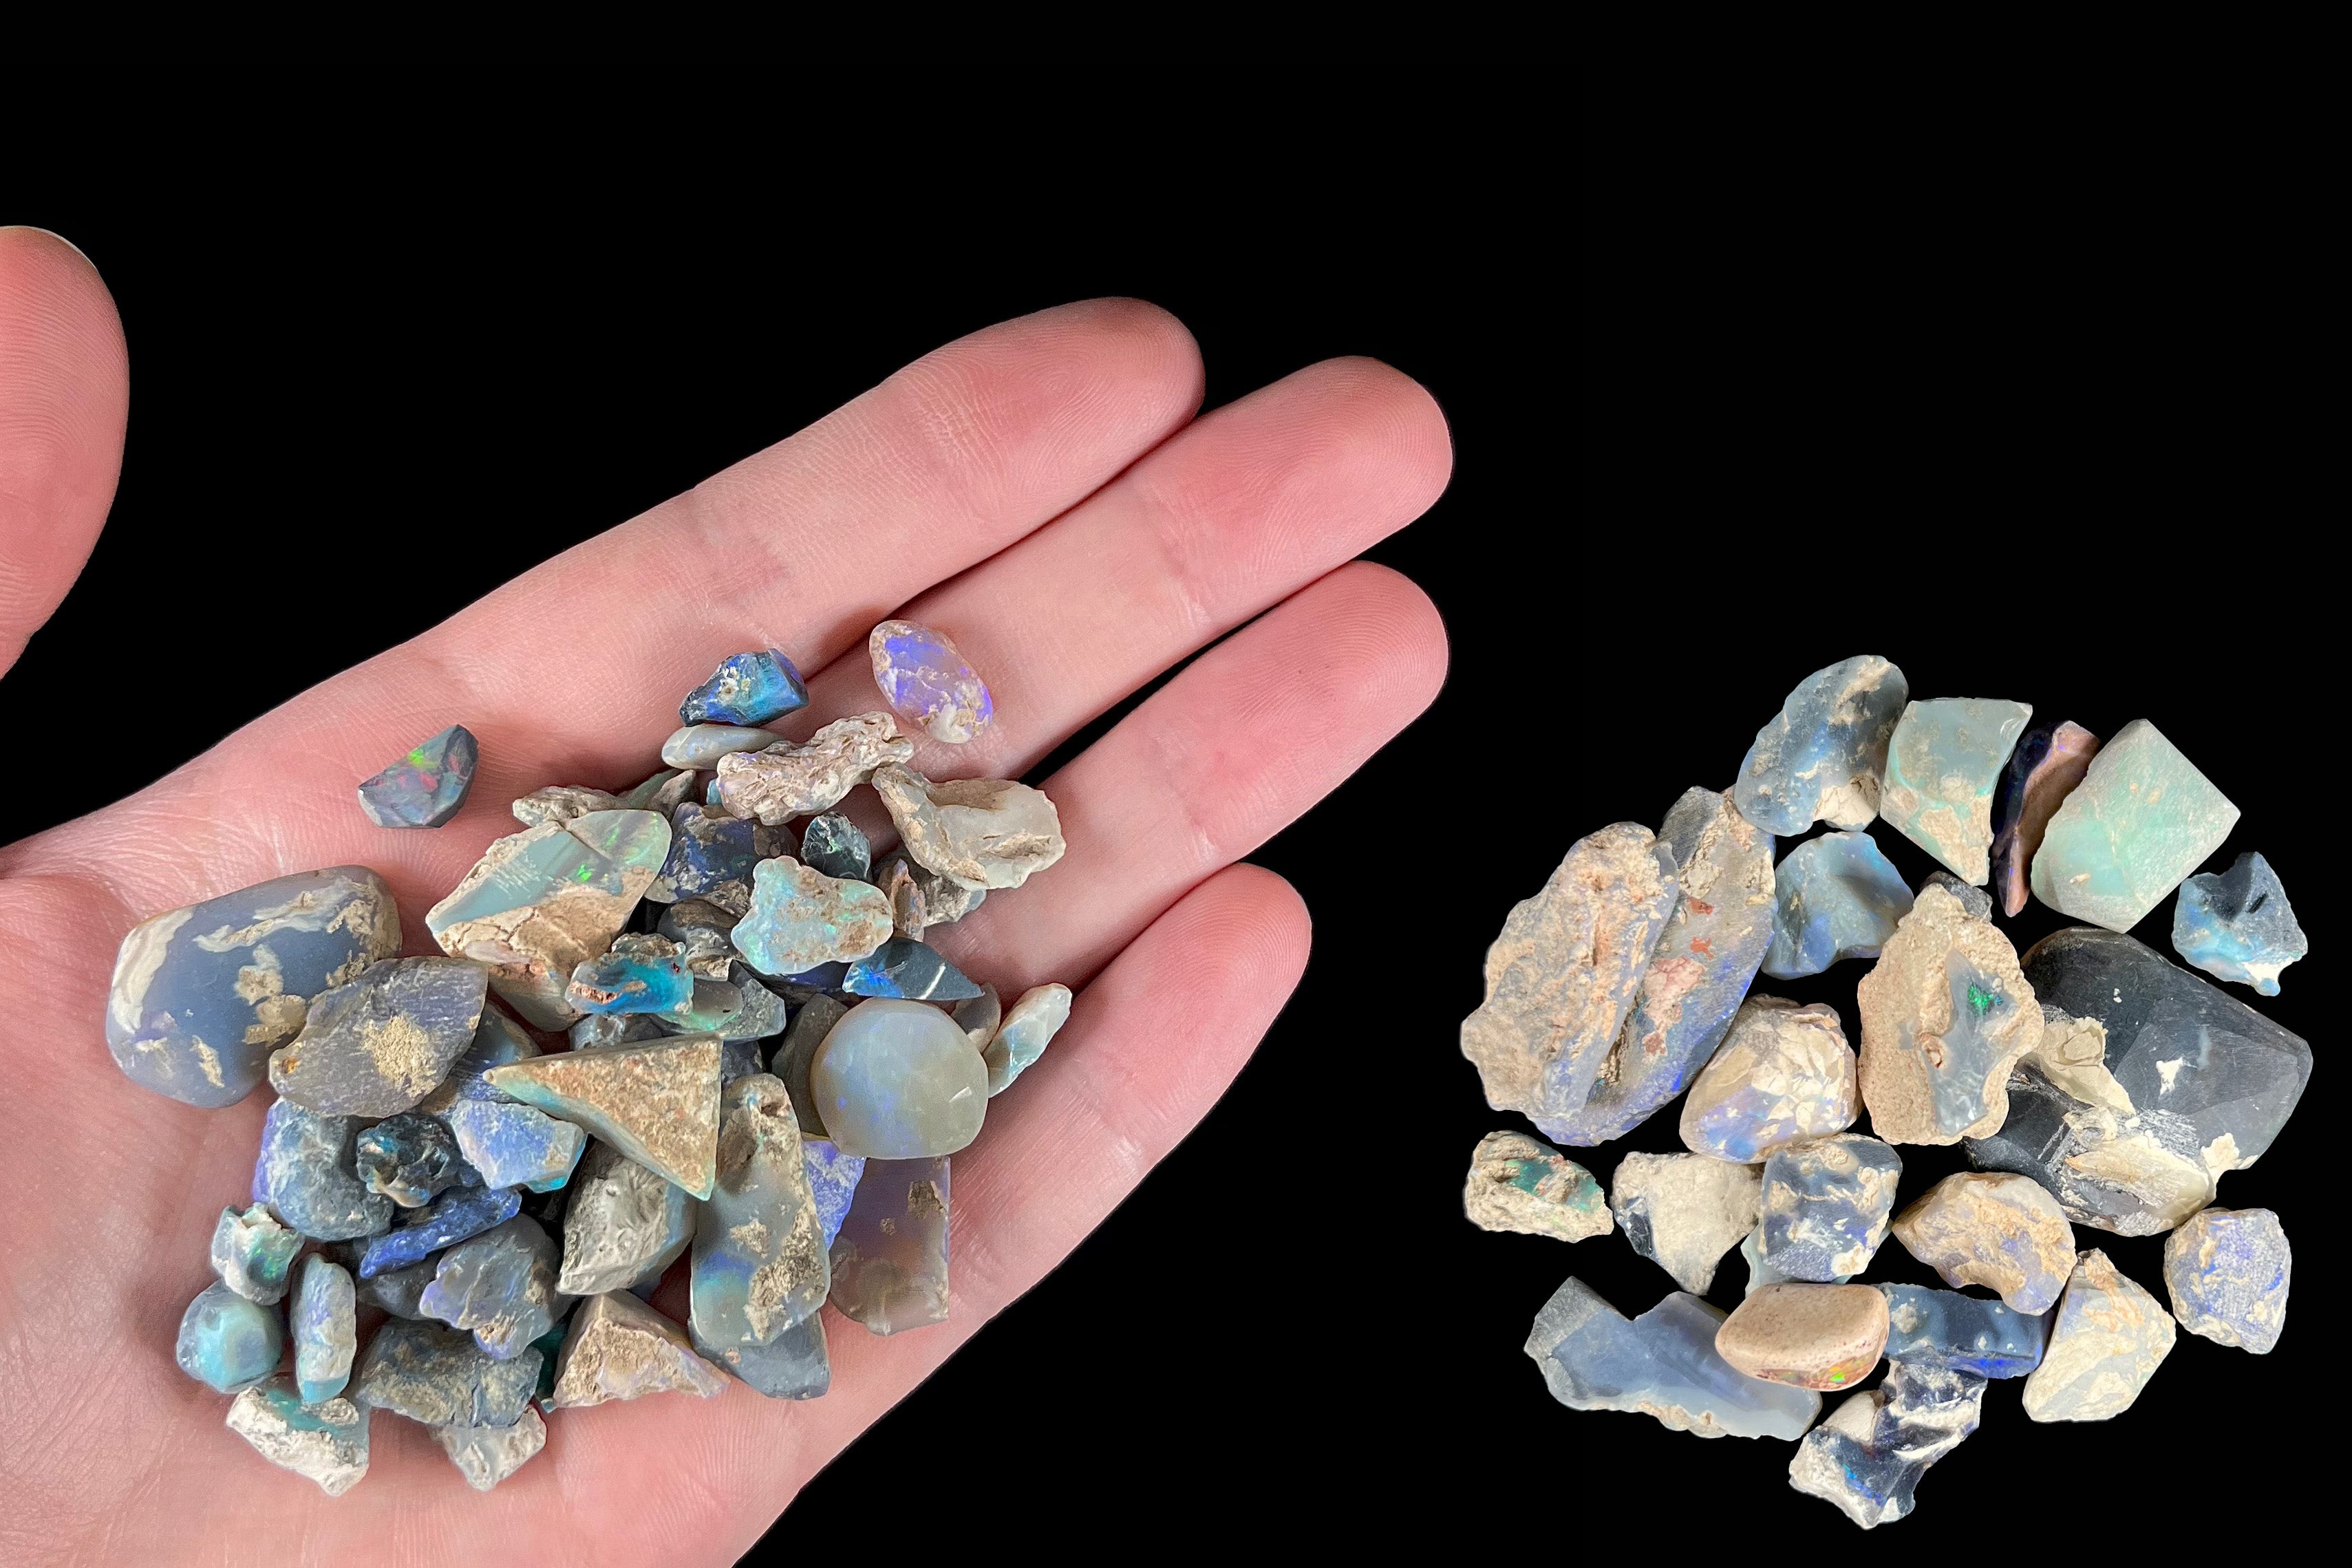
(1731, 400)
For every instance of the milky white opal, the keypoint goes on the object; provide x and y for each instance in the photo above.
(898, 1081)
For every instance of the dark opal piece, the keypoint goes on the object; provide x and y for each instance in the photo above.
(711, 856)
(424, 789)
(410, 1158)
(832, 976)
(798, 1048)
(2136, 1176)
(703, 933)
(456, 1215)
(905, 967)
(304, 1172)
(747, 689)
(837, 846)
(738, 1059)
(398, 1291)
(2049, 760)
(439, 1376)
(1963, 1334)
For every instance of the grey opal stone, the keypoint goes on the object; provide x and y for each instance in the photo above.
(305, 1175)
(486, 1455)
(704, 934)
(810, 1025)
(889, 1262)
(1662, 1364)
(795, 1365)
(439, 1376)
(1827, 1203)
(1975, 900)
(1868, 1456)
(944, 902)
(377, 1045)
(500, 1284)
(835, 846)
(624, 1226)
(498, 1041)
(325, 1335)
(758, 1256)
(1962, 1333)
(619, 1029)
(202, 995)
(1821, 755)
(2135, 1175)
(396, 1290)
(903, 966)
(1839, 897)
(251, 1253)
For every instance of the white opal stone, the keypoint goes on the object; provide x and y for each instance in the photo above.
(898, 1081)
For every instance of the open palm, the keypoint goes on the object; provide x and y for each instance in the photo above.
(1043, 491)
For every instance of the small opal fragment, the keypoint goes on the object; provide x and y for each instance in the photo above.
(702, 746)
(711, 856)
(1820, 757)
(486, 1455)
(2135, 1172)
(2049, 761)
(2000, 1231)
(833, 1178)
(702, 931)
(1662, 1364)
(2238, 925)
(619, 1348)
(2107, 1341)
(325, 1332)
(759, 1012)
(1962, 1333)
(657, 1101)
(251, 1253)
(200, 996)
(897, 1080)
(758, 1253)
(1565, 970)
(902, 968)
(438, 1376)
(786, 780)
(793, 1366)
(1027, 1027)
(227, 1342)
(801, 917)
(561, 804)
(453, 1217)
(411, 1158)
(304, 1174)
(809, 1027)
(835, 846)
(757, 687)
(661, 792)
(395, 1291)
(324, 1441)
(945, 901)
(500, 1285)
(1761, 1273)
(2226, 1270)
(641, 974)
(979, 1018)
(1518, 1182)
(516, 1146)
(1808, 1336)
(376, 1045)
(909, 918)
(1838, 897)
(889, 1262)
(1946, 1014)
(1684, 1212)
(1784, 1074)
(2142, 819)
(1941, 766)
(1868, 1456)
(927, 682)
(424, 788)
(1827, 1203)
(498, 1039)
(623, 1226)
(976, 832)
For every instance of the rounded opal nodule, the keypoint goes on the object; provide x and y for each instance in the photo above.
(898, 1081)
(227, 1342)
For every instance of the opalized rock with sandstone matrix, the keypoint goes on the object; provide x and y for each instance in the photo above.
(790, 779)
(832, 1177)
(1827, 1203)
(1868, 1456)
(1702, 966)
(500, 1285)
(1821, 755)
(498, 1039)
(1974, 900)
(1684, 1212)
(657, 1101)
(976, 832)
(424, 788)
(542, 902)
(1783, 1075)
(201, 996)
(1761, 1273)
(623, 1226)
(619, 1348)
(376, 1045)
(2238, 925)
(1517, 1183)
(711, 856)
(2227, 1271)
(1662, 1364)
(2142, 819)
(643, 973)
(326, 1442)
(897, 1080)
(2133, 1172)
(944, 901)
(251, 1253)
(2049, 760)
(1946, 1013)
(1962, 1333)
(1835, 897)
(486, 1455)
(758, 1256)
(561, 804)
(890, 1259)
(2107, 1341)
(2000, 1231)
(439, 1376)
(1941, 768)
(801, 918)
(304, 1174)
(704, 934)
(1564, 973)
(1027, 1027)
(1808, 1336)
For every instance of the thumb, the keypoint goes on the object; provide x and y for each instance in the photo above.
(65, 393)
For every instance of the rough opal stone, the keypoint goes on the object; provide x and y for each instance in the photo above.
(1868, 1456)
(453, 1217)
(905, 967)
(1701, 969)
(624, 1029)
(326, 1335)
(619, 1348)
(2049, 761)
(498, 1039)
(703, 933)
(1961, 1333)
(786, 780)
(832, 1180)
(1837, 897)
(1806, 1335)
(500, 1285)
(1023, 1034)
(1662, 1364)
(2226, 1270)
(757, 687)
(411, 1158)
(325, 1441)
(2142, 819)
(1684, 1212)
(439, 1376)
(1565, 970)
(1517, 1183)
(800, 918)
(1784, 1074)
(486, 1455)
(201, 996)
(395, 1291)
(2135, 1173)
(656, 1102)
(227, 1342)
(516, 1146)
(1820, 757)
(304, 1174)
(251, 1253)
(561, 804)
(975, 832)
(2107, 1341)
(711, 856)
(1761, 1273)
(897, 1080)
(890, 1259)
(838, 846)
(424, 788)
(2238, 925)
(2000, 1231)
(1827, 1203)
(642, 974)
(699, 745)
(376, 1045)
(759, 1014)
(793, 1366)
(1941, 768)
(927, 682)
(1974, 900)
(659, 793)
(623, 1226)
(810, 1025)
(979, 1017)
(945, 901)
(1946, 1014)
(2176, 1042)
(759, 1250)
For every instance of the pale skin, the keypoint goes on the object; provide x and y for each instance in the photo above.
(1042, 489)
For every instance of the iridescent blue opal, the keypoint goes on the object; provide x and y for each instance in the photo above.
(500, 1285)
(759, 1259)
(1942, 764)
(251, 1253)
(747, 689)
(1822, 754)
(823, 978)
(227, 1342)
(304, 1174)
(835, 846)
(832, 1177)
(927, 680)
(1827, 1203)
(1662, 1364)
(711, 856)
(440, 1377)
(1965, 1333)
(411, 1158)
(1837, 897)
(325, 1332)
(638, 974)
(2238, 925)
(801, 919)
(455, 1215)
(794, 1365)
(905, 967)
(517, 1146)
(2228, 1270)
(424, 789)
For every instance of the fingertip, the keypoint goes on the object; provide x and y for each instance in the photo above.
(1400, 419)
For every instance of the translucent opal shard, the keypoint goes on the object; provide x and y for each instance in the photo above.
(251, 1253)
(227, 1342)
(439, 1376)
(784, 779)
(1946, 1014)
(1662, 1364)
(759, 1250)
(304, 1172)
(890, 1261)
(642, 974)
(1820, 757)
(486, 1455)
(410, 1158)
(1837, 897)
(2142, 819)
(2238, 925)
(325, 1334)
(656, 1102)
(2227, 1271)
(975, 832)
(424, 788)
(800, 918)
(699, 745)
(2000, 1231)
(516, 1146)
(1761, 1273)
(1808, 1336)
(623, 1226)
(1941, 768)
(457, 1214)
(905, 967)
(1783, 1075)
(376, 1045)
(897, 1080)
(1684, 1212)
(832, 1180)
(619, 1348)
(1827, 1203)
(1961, 1333)
(1520, 1184)
(2107, 1341)
(927, 682)
(500, 1285)
(1868, 1456)
(757, 687)
(793, 1366)
(201, 996)
(1023, 1034)
(834, 845)
(323, 1441)
(2049, 761)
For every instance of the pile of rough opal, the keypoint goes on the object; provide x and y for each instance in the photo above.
(666, 1027)
(2092, 1082)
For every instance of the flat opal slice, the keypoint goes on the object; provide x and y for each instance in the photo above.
(425, 788)
(1941, 768)
(1662, 1364)
(2142, 819)
(927, 681)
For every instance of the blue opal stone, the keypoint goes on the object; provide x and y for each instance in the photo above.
(927, 680)
(2143, 817)
(835, 846)
(1964, 1334)
(251, 1253)
(1662, 1364)
(325, 1332)
(500, 1285)
(759, 1258)
(304, 1172)
(1821, 755)
(1838, 897)
(747, 689)
(227, 1342)
(794, 1365)
(905, 967)
(823, 978)
(410, 1158)
(377, 1045)
(2228, 1270)
(1827, 1203)
(517, 1146)
(462, 1212)
(801, 919)
(711, 856)
(1942, 766)
(1868, 1456)
(2238, 925)
(832, 1177)
(424, 789)
(640, 973)
(202, 995)
(440, 1377)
